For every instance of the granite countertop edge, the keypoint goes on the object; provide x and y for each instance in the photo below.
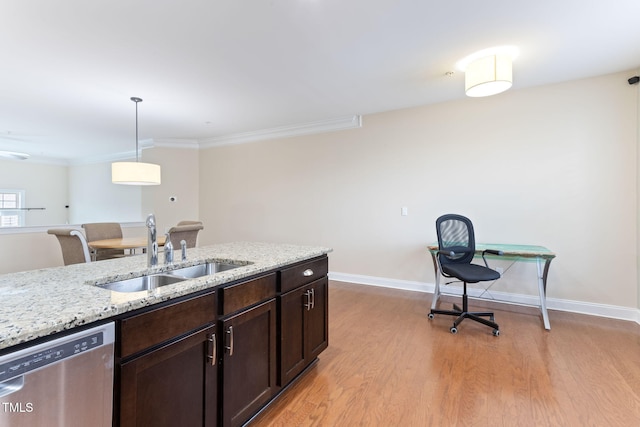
(39, 303)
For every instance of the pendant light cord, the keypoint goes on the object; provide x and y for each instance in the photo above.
(136, 100)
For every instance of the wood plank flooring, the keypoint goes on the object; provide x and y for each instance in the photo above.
(389, 365)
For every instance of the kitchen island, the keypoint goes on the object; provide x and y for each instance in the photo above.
(214, 325)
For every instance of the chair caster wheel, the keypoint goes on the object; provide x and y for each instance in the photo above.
(496, 332)
(454, 330)
(431, 316)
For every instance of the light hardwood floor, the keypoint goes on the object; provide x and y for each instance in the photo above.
(389, 365)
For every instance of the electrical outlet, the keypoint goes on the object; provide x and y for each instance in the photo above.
(404, 211)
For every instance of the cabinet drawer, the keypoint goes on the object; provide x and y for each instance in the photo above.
(237, 297)
(301, 274)
(156, 326)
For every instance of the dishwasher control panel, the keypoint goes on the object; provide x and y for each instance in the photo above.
(54, 352)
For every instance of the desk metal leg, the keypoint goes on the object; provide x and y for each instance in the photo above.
(436, 290)
(542, 290)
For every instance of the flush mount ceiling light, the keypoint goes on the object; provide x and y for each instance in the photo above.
(135, 173)
(489, 71)
(14, 155)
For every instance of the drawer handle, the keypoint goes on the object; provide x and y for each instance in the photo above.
(230, 346)
(311, 299)
(213, 356)
(307, 304)
(308, 272)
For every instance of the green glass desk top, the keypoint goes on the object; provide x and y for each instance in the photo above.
(525, 251)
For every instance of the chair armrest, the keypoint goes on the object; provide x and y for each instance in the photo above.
(453, 251)
(492, 252)
(445, 253)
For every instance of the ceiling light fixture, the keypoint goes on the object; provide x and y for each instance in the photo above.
(14, 155)
(135, 173)
(489, 71)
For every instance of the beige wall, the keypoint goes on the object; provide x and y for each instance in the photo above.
(45, 186)
(94, 198)
(33, 248)
(552, 166)
(179, 179)
(637, 111)
(28, 251)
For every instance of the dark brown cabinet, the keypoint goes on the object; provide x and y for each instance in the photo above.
(220, 356)
(303, 327)
(248, 365)
(167, 369)
(171, 386)
(303, 317)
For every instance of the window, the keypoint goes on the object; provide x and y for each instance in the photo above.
(11, 208)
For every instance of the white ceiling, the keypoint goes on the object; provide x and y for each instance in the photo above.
(210, 68)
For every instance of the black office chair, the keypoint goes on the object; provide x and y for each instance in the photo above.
(456, 248)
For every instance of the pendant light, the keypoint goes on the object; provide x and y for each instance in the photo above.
(488, 76)
(135, 173)
(488, 71)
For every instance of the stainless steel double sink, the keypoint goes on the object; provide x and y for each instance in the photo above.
(157, 280)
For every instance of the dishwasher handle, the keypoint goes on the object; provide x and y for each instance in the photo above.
(11, 386)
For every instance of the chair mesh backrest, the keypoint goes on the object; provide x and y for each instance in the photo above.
(455, 233)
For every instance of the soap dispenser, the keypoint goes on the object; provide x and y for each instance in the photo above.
(168, 250)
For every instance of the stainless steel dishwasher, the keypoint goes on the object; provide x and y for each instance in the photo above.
(64, 382)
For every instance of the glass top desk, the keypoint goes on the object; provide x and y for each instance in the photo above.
(514, 253)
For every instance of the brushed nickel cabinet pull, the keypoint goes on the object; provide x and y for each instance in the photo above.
(213, 356)
(230, 335)
(308, 272)
(313, 298)
(307, 304)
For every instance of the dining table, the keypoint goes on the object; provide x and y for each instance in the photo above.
(126, 243)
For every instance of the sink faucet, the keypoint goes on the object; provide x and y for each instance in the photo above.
(183, 246)
(168, 250)
(152, 242)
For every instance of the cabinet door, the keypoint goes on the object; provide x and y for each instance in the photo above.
(317, 325)
(249, 362)
(293, 307)
(303, 327)
(174, 385)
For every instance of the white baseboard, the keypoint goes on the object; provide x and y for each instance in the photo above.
(594, 309)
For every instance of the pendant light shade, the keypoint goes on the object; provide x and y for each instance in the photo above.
(488, 75)
(135, 173)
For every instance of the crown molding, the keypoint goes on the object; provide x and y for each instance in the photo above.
(40, 160)
(176, 143)
(330, 125)
(321, 126)
(113, 157)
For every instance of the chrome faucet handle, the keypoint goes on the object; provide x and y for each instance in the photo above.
(151, 220)
(168, 250)
(152, 242)
(183, 246)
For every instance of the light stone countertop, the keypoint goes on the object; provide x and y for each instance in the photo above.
(38, 303)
